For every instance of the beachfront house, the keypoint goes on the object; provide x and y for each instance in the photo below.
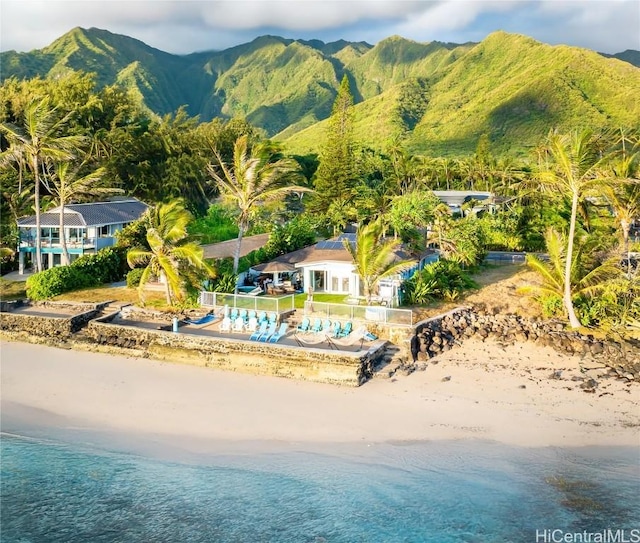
(328, 267)
(87, 229)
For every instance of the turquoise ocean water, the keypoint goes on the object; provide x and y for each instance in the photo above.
(404, 492)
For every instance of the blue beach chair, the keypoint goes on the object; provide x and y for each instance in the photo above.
(348, 327)
(317, 326)
(304, 325)
(281, 332)
(259, 332)
(335, 329)
(270, 331)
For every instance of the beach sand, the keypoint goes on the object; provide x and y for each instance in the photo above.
(476, 391)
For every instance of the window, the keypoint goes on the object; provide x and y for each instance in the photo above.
(318, 279)
(105, 230)
(339, 283)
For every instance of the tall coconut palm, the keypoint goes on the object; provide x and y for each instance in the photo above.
(171, 252)
(585, 280)
(624, 197)
(250, 182)
(571, 166)
(65, 184)
(374, 258)
(36, 141)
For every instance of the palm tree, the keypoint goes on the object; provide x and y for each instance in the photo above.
(171, 252)
(252, 181)
(571, 166)
(374, 258)
(34, 143)
(585, 280)
(67, 184)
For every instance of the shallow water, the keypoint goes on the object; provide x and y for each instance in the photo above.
(409, 492)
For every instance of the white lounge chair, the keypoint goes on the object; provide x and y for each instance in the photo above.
(238, 325)
(225, 325)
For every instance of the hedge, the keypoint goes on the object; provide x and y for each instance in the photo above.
(106, 266)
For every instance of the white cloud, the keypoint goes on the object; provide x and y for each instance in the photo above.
(192, 25)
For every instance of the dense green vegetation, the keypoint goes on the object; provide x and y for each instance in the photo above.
(70, 138)
(107, 266)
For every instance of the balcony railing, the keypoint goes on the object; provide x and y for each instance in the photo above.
(72, 243)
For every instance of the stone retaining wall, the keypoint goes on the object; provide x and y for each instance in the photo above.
(344, 368)
(62, 326)
(441, 333)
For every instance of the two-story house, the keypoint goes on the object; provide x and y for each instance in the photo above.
(87, 229)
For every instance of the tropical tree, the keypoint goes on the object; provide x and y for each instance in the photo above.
(251, 181)
(374, 258)
(587, 276)
(335, 177)
(571, 166)
(412, 211)
(66, 184)
(624, 197)
(37, 140)
(171, 253)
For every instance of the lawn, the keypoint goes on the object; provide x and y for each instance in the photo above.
(12, 290)
(153, 298)
(299, 299)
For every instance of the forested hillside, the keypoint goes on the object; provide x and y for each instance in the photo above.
(439, 98)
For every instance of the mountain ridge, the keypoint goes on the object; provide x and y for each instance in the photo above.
(438, 96)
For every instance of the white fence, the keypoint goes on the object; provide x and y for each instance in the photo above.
(368, 313)
(280, 304)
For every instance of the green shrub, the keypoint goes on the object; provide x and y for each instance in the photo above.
(106, 266)
(58, 280)
(133, 277)
(223, 283)
(552, 306)
(444, 279)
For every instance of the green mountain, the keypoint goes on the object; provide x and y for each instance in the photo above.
(509, 87)
(440, 96)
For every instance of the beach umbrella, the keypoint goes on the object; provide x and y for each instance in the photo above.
(276, 267)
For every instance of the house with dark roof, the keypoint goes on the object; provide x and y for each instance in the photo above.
(87, 229)
(328, 267)
(455, 199)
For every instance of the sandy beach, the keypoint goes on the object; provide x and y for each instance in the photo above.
(477, 391)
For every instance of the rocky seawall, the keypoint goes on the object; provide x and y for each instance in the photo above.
(442, 333)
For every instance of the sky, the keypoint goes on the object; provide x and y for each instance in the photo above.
(187, 26)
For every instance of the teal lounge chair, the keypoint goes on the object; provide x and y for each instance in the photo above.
(348, 327)
(273, 318)
(234, 314)
(262, 317)
(243, 315)
(259, 332)
(304, 325)
(270, 331)
(335, 329)
(326, 326)
(317, 325)
(281, 332)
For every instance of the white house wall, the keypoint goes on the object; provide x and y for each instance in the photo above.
(332, 270)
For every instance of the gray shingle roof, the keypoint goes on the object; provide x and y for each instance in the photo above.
(93, 214)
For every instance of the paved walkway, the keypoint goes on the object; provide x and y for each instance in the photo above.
(15, 276)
